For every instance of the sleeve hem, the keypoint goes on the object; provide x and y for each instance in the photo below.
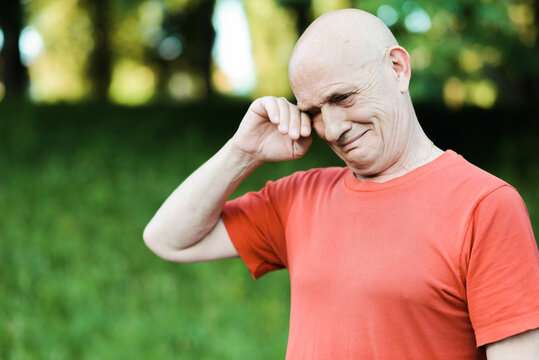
(243, 248)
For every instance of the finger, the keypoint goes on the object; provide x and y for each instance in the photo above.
(305, 124)
(272, 109)
(284, 115)
(295, 122)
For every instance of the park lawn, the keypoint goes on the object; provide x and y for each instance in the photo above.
(77, 186)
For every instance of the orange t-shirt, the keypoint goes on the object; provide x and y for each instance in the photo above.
(431, 265)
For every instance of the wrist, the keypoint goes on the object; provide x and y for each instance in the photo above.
(242, 158)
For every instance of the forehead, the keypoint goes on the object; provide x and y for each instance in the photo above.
(314, 80)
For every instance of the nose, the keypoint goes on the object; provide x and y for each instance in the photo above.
(335, 124)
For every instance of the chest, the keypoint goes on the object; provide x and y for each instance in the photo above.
(374, 253)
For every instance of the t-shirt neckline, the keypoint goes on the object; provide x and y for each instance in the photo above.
(355, 184)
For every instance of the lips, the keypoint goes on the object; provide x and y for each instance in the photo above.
(352, 143)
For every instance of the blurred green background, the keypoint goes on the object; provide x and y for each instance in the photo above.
(107, 105)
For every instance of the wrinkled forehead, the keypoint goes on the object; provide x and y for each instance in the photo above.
(320, 65)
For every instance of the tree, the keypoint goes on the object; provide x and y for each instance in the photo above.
(100, 68)
(302, 9)
(194, 26)
(14, 74)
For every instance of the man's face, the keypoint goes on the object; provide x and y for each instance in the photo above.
(354, 108)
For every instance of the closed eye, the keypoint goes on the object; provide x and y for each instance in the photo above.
(339, 98)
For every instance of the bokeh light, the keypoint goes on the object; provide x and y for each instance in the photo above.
(470, 60)
(232, 49)
(132, 83)
(170, 48)
(182, 86)
(30, 45)
(454, 93)
(483, 93)
(387, 14)
(523, 18)
(150, 21)
(457, 93)
(420, 58)
(416, 20)
(1, 39)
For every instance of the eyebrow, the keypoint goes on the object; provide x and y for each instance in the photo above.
(331, 97)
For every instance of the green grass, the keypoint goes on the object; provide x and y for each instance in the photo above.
(77, 186)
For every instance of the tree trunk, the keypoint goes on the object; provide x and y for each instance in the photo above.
(302, 10)
(14, 74)
(100, 68)
(202, 35)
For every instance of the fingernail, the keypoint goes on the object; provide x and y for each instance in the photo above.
(294, 133)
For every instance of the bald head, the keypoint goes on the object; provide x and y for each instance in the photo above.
(351, 77)
(354, 36)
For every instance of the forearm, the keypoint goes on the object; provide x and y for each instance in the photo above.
(187, 228)
(523, 346)
(193, 209)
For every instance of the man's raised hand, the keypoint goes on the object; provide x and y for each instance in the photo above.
(273, 129)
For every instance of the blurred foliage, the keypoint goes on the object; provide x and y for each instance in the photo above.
(61, 73)
(320, 7)
(271, 52)
(464, 52)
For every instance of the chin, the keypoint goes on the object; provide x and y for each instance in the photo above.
(363, 168)
(365, 165)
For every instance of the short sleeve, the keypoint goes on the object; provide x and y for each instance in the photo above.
(502, 280)
(255, 225)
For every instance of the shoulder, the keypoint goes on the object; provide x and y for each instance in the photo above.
(502, 205)
(459, 167)
(468, 179)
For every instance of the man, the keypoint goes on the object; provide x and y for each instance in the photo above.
(409, 252)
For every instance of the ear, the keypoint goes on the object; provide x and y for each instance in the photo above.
(400, 64)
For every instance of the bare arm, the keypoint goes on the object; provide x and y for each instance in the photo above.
(187, 227)
(523, 346)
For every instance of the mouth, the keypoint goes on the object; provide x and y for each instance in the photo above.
(352, 143)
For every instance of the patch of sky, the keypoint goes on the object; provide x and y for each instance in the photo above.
(30, 45)
(232, 47)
